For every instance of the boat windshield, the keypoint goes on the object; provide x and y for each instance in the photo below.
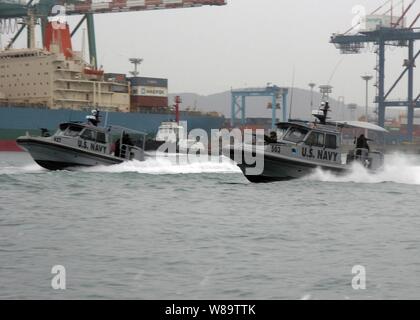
(295, 134)
(281, 132)
(73, 131)
(69, 130)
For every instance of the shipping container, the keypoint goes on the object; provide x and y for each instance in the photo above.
(149, 102)
(416, 130)
(172, 1)
(119, 89)
(148, 82)
(416, 120)
(136, 3)
(149, 91)
(115, 77)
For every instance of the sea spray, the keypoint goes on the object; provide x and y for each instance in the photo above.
(172, 164)
(398, 168)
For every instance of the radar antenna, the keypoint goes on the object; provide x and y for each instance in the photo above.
(136, 62)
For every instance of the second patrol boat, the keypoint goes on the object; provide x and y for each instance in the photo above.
(299, 147)
(77, 144)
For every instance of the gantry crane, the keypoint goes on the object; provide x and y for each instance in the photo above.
(39, 10)
(396, 33)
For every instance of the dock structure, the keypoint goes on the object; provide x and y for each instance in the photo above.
(384, 32)
(238, 103)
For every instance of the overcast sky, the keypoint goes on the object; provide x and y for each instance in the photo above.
(246, 43)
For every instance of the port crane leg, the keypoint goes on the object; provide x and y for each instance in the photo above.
(30, 22)
(232, 111)
(410, 111)
(381, 84)
(243, 111)
(236, 108)
(92, 40)
(44, 23)
(273, 112)
(284, 106)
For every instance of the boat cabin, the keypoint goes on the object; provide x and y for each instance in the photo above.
(82, 136)
(321, 143)
(307, 141)
(310, 135)
(118, 141)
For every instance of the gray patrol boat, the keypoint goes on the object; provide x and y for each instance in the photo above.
(298, 148)
(77, 144)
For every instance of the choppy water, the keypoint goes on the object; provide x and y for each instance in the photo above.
(158, 230)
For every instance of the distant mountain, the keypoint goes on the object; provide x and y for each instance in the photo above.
(257, 106)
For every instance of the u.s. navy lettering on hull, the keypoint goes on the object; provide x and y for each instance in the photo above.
(319, 154)
(91, 146)
(327, 155)
(308, 153)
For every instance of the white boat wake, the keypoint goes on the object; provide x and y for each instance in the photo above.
(30, 168)
(402, 169)
(172, 165)
(163, 164)
(398, 168)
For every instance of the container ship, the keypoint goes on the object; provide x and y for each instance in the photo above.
(40, 88)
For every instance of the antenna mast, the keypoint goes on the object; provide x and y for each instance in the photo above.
(136, 62)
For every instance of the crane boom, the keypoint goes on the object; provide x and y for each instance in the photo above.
(104, 6)
(405, 13)
(80, 7)
(414, 22)
(46, 8)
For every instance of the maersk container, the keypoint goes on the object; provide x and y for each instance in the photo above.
(148, 82)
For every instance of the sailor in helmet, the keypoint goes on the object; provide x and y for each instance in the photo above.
(93, 119)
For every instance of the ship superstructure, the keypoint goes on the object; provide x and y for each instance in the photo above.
(57, 77)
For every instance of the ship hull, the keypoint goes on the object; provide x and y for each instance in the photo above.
(10, 146)
(16, 121)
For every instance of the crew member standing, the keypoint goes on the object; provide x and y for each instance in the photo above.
(362, 143)
(93, 119)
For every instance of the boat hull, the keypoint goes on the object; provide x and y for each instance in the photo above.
(278, 168)
(53, 156)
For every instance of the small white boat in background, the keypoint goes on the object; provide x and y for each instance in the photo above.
(172, 137)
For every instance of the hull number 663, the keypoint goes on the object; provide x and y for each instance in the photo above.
(275, 148)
